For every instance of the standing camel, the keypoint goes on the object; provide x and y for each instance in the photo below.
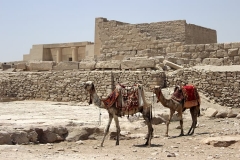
(180, 107)
(114, 111)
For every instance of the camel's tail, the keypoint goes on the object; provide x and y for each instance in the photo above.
(199, 108)
(199, 112)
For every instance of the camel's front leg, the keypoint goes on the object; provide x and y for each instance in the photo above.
(107, 128)
(169, 119)
(150, 131)
(118, 128)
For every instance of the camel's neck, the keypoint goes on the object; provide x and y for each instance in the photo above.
(165, 102)
(95, 99)
(142, 100)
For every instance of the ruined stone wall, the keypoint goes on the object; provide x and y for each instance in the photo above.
(207, 54)
(66, 86)
(221, 86)
(218, 54)
(115, 39)
(116, 36)
(200, 35)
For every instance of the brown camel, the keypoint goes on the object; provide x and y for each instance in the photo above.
(178, 106)
(114, 111)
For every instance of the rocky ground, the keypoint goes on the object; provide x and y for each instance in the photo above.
(214, 138)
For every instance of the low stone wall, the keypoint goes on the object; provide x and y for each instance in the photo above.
(66, 85)
(222, 86)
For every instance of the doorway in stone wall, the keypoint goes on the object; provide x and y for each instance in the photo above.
(70, 59)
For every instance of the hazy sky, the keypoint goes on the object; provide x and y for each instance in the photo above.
(27, 22)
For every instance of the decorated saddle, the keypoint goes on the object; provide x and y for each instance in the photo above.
(187, 95)
(126, 98)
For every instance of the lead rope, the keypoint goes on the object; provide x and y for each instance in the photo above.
(99, 120)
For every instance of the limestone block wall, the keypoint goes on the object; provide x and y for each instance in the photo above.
(35, 54)
(127, 37)
(221, 86)
(156, 48)
(218, 54)
(66, 85)
(208, 54)
(113, 37)
(200, 35)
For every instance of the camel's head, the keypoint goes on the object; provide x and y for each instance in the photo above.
(139, 86)
(88, 86)
(157, 91)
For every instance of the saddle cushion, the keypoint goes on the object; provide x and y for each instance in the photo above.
(191, 97)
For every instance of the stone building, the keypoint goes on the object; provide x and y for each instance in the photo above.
(60, 52)
(113, 37)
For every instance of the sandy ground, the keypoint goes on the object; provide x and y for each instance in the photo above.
(23, 114)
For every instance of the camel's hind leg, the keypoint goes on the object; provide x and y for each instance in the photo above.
(107, 128)
(168, 122)
(194, 113)
(118, 128)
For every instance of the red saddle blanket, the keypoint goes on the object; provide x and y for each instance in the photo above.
(188, 94)
(109, 101)
(127, 101)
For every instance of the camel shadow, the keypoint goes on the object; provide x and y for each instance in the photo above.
(202, 133)
(146, 146)
(196, 134)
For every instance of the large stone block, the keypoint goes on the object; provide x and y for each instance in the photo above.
(233, 52)
(204, 54)
(213, 61)
(236, 45)
(108, 65)
(186, 55)
(6, 66)
(128, 64)
(41, 66)
(66, 66)
(227, 45)
(211, 47)
(21, 66)
(236, 60)
(19, 137)
(88, 65)
(145, 63)
(5, 138)
(221, 53)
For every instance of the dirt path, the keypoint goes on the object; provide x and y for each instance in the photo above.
(21, 114)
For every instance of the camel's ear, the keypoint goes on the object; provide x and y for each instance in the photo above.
(90, 101)
(93, 88)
